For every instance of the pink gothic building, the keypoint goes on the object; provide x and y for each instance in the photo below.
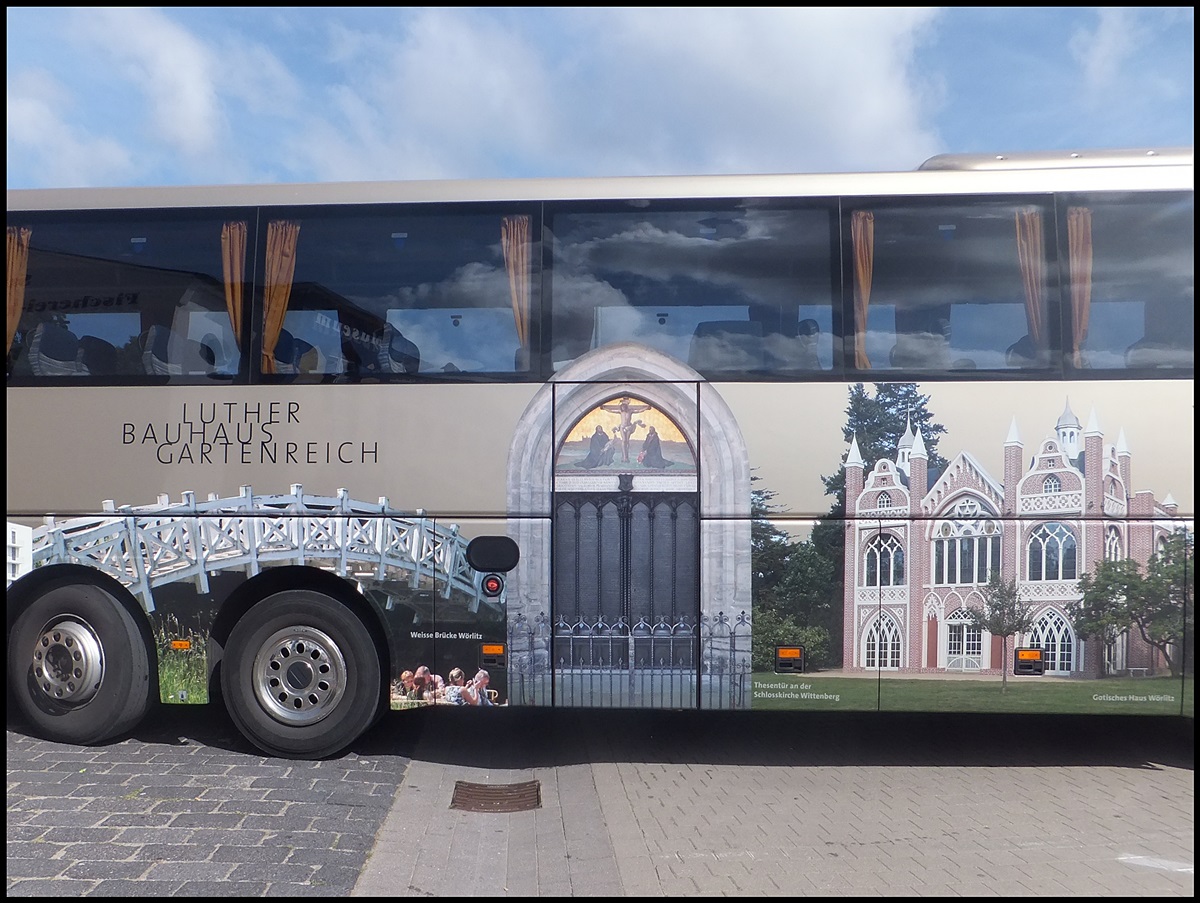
(919, 555)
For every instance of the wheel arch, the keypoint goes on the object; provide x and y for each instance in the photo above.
(275, 580)
(23, 591)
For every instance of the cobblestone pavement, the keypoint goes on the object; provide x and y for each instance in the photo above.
(186, 807)
(632, 804)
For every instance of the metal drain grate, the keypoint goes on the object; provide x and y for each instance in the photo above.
(496, 797)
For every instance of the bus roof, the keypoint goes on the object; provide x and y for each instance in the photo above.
(949, 174)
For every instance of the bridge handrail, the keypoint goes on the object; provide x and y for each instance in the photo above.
(143, 546)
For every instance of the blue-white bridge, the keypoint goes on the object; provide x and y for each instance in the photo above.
(145, 547)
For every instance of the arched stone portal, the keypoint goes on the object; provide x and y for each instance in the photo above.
(723, 487)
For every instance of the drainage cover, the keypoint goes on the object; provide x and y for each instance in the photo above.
(496, 797)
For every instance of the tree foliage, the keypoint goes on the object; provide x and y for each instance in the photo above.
(1004, 614)
(771, 629)
(1156, 601)
(878, 423)
(793, 586)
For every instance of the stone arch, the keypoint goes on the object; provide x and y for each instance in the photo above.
(707, 422)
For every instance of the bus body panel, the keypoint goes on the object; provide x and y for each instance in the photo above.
(870, 442)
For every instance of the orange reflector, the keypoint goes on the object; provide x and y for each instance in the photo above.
(493, 649)
(181, 644)
(1034, 655)
(788, 652)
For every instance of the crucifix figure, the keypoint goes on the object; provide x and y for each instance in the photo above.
(628, 425)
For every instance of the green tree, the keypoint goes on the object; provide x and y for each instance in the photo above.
(793, 589)
(878, 423)
(1003, 615)
(773, 629)
(1118, 595)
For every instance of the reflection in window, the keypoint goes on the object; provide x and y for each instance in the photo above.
(1132, 260)
(948, 287)
(121, 296)
(388, 291)
(740, 288)
(1052, 553)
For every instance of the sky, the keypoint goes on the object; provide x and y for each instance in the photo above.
(123, 96)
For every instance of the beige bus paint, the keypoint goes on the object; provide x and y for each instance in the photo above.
(444, 448)
(441, 448)
(793, 433)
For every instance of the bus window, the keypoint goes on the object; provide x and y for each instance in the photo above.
(1132, 294)
(117, 296)
(948, 287)
(743, 288)
(377, 294)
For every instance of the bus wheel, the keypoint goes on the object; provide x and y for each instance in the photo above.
(301, 676)
(78, 666)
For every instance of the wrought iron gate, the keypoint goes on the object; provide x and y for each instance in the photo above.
(626, 599)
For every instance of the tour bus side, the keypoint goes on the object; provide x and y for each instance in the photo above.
(661, 405)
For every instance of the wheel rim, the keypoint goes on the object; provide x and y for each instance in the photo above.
(68, 662)
(299, 675)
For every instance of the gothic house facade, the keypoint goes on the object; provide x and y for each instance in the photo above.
(918, 556)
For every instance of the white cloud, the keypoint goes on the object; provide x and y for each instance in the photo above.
(39, 136)
(202, 94)
(172, 71)
(1104, 50)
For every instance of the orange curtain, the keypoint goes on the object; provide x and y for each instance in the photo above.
(233, 264)
(862, 234)
(282, 236)
(1030, 253)
(18, 265)
(514, 240)
(1079, 248)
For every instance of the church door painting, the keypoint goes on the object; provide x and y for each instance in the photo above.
(626, 560)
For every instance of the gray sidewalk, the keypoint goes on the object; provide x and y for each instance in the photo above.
(632, 804)
(637, 804)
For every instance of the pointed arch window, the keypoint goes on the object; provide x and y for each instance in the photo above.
(964, 642)
(883, 560)
(966, 546)
(1114, 549)
(1052, 553)
(881, 644)
(1051, 485)
(1052, 634)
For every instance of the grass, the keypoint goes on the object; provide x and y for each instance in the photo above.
(182, 672)
(1032, 694)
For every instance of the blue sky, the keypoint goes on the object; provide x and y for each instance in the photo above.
(189, 95)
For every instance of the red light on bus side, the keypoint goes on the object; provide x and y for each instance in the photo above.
(493, 585)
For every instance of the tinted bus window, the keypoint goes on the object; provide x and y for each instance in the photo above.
(125, 297)
(745, 288)
(388, 292)
(954, 285)
(1132, 293)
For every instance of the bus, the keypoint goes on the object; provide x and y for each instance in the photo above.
(867, 442)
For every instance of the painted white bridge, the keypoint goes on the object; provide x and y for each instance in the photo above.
(147, 546)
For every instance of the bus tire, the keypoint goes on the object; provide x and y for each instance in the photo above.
(78, 666)
(301, 677)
